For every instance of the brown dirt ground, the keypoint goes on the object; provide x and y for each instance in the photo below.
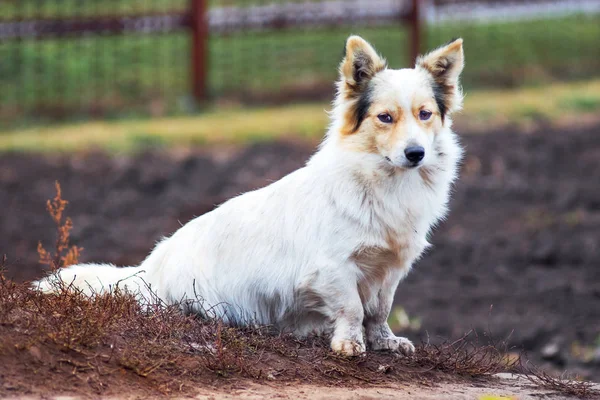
(501, 388)
(504, 387)
(518, 257)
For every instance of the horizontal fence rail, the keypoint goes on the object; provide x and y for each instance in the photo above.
(482, 12)
(228, 19)
(73, 27)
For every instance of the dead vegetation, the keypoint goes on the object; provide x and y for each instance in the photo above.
(565, 385)
(64, 254)
(67, 341)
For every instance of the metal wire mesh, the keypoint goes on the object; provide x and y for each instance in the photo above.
(61, 71)
(81, 58)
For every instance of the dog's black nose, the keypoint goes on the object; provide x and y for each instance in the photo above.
(414, 154)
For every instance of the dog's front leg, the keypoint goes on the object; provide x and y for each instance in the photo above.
(347, 334)
(379, 334)
(347, 313)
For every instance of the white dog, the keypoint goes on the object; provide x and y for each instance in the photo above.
(323, 249)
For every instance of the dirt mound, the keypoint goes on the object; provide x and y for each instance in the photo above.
(110, 345)
(518, 255)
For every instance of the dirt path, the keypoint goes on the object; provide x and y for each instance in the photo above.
(505, 387)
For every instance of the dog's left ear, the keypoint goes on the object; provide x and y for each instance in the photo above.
(445, 65)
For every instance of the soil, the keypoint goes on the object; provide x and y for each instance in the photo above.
(503, 388)
(498, 389)
(517, 259)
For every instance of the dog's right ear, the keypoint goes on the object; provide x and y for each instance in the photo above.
(361, 62)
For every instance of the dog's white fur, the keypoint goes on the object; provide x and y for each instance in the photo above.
(323, 249)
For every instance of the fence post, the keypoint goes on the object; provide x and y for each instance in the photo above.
(199, 65)
(415, 30)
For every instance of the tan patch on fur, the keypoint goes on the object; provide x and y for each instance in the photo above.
(374, 260)
(423, 100)
(391, 238)
(426, 175)
(376, 137)
(347, 128)
(388, 141)
(375, 263)
(363, 141)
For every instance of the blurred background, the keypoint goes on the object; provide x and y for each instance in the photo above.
(152, 112)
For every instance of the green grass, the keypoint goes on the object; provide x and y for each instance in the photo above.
(585, 103)
(118, 74)
(498, 55)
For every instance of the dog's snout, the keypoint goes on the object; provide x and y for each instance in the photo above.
(414, 154)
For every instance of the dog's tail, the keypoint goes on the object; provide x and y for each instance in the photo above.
(95, 279)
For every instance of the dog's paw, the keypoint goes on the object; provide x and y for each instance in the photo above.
(347, 347)
(394, 343)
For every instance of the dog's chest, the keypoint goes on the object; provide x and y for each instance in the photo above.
(391, 254)
(400, 227)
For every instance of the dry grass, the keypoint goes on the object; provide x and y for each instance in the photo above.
(565, 385)
(112, 343)
(64, 254)
(484, 110)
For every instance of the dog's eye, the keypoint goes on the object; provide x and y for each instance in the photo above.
(386, 118)
(424, 115)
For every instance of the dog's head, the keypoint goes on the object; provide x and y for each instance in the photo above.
(396, 114)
